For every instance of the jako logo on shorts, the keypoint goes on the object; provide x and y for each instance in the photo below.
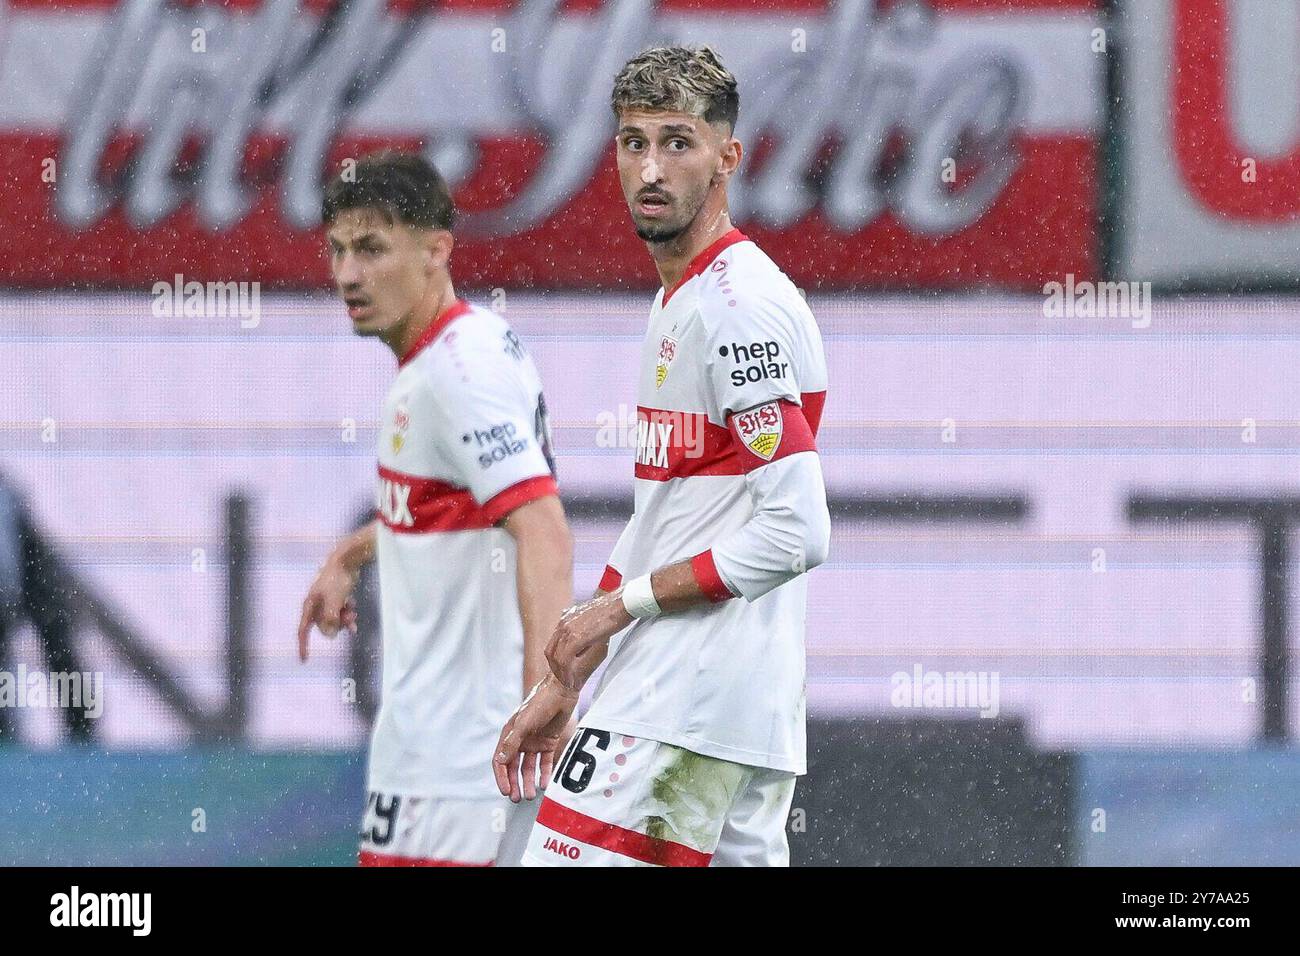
(564, 849)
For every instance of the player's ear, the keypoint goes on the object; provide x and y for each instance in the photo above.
(732, 152)
(437, 244)
(729, 153)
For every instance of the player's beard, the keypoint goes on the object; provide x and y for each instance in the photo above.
(665, 231)
(659, 232)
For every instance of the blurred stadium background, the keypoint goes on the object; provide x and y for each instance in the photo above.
(1087, 514)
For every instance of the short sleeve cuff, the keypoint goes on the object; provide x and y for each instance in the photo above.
(518, 495)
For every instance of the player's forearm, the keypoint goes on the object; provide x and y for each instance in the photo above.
(545, 585)
(674, 587)
(356, 549)
(677, 588)
(544, 582)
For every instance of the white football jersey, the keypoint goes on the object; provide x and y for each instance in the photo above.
(732, 382)
(464, 441)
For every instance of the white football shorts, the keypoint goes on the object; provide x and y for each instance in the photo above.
(616, 800)
(403, 830)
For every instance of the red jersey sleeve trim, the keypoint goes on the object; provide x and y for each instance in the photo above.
(707, 577)
(518, 495)
(610, 580)
(769, 432)
(813, 405)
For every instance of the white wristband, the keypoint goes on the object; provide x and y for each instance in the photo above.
(639, 597)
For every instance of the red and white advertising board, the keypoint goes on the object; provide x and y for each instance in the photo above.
(940, 144)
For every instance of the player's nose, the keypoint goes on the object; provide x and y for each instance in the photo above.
(347, 273)
(649, 170)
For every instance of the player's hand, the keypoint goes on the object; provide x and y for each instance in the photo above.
(577, 647)
(531, 738)
(328, 605)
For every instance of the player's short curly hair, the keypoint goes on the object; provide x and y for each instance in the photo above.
(678, 79)
(401, 187)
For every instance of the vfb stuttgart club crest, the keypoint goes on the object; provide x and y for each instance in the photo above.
(667, 352)
(401, 422)
(760, 429)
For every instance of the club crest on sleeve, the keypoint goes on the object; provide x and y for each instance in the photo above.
(401, 422)
(760, 429)
(667, 352)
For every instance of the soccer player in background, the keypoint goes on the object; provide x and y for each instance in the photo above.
(689, 751)
(475, 556)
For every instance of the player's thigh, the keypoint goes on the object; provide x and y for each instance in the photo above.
(405, 830)
(616, 800)
(754, 833)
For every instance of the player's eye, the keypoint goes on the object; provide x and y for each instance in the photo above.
(632, 143)
(683, 144)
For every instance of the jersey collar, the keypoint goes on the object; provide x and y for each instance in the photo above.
(703, 259)
(454, 311)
